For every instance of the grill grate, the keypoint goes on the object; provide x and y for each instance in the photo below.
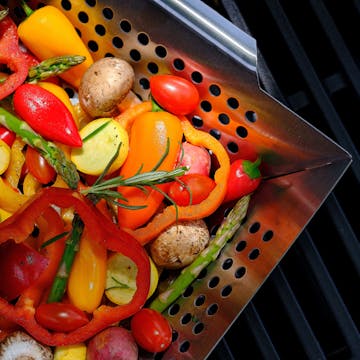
(309, 60)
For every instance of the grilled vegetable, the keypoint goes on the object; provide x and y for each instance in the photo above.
(225, 232)
(101, 139)
(53, 154)
(19, 345)
(174, 93)
(180, 244)
(46, 114)
(48, 33)
(104, 85)
(113, 343)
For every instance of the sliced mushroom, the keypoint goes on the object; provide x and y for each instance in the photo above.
(180, 244)
(20, 346)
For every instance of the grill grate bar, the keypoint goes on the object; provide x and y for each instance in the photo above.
(303, 329)
(337, 43)
(260, 333)
(314, 83)
(331, 294)
(348, 237)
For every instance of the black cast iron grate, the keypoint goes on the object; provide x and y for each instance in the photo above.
(309, 59)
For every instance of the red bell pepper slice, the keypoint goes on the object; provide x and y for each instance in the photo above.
(12, 57)
(20, 225)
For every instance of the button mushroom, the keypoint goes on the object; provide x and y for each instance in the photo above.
(180, 244)
(20, 346)
(104, 85)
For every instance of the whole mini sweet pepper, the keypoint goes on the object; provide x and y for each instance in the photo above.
(46, 114)
(47, 33)
(20, 225)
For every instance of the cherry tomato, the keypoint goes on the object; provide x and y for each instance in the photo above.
(174, 94)
(61, 317)
(192, 189)
(38, 166)
(244, 178)
(151, 330)
(7, 136)
(20, 267)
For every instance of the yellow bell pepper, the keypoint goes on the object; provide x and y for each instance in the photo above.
(5, 155)
(4, 215)
(88, 274)
(47, 33)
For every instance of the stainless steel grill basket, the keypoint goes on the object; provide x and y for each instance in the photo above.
(300, 165)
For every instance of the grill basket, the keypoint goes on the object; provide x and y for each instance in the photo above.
(301, 165)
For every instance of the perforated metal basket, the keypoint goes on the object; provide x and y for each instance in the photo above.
(300, 165)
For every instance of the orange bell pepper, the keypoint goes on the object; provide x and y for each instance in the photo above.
(149, 137)
(169, 216)
(47, 33)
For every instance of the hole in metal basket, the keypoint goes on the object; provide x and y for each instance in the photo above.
(184, 346)
(224, 118)
(268, 235)
(108, 13)
(161, 51)
(241, 131)
(186, 318)
(179, 64)
(240, 272)
(66, 5)
(83, 17)
(206, 106)
(251, 116)
(93, 46)
(255, 227)
(212, 309)
(241, 245)
(174, 309)
(226, 290)
(100, 29)
(188, 291)
(227, 264)
(199, 300)
(153, 68)
(254, 254)
(91, 3)
(215, 133)
(213, 282)
(232, 147)
(233, 103)
(125, 26)
(135, 55)
(198, 328)
(197, 77)
(214, 90)
(144, 83)
(117, 42)
(143, 38)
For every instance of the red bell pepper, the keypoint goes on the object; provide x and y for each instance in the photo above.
(20, 225)
(12, 57)
(46, 114)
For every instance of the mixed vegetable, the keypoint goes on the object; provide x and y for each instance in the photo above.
(98, 197)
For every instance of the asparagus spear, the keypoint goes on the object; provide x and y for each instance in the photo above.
(72, 244)
(227, 229)
(3, 13)
(54, 155)
(53, 66)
